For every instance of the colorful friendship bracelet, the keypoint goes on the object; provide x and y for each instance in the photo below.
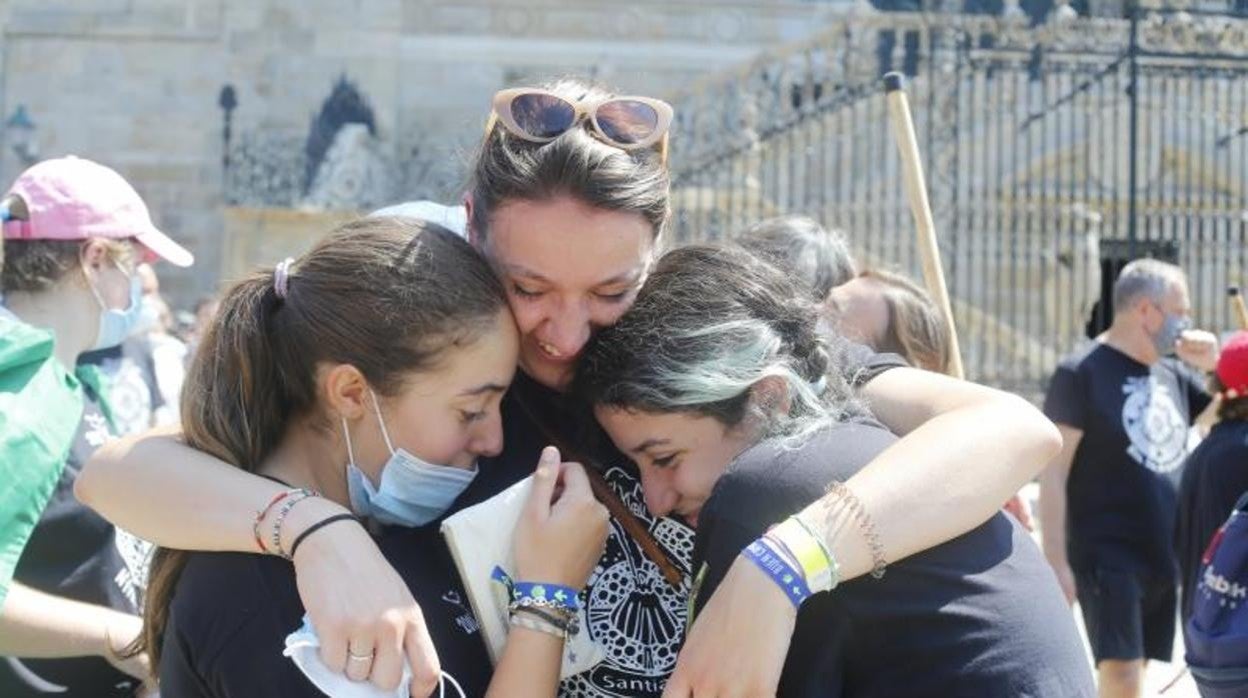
(772, 562)
(276, 536)
(262, 513)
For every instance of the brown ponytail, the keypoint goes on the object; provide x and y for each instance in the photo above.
(385, 295)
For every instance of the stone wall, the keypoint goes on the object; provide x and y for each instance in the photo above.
(135, 83)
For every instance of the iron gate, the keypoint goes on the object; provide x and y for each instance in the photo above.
(1055, 152)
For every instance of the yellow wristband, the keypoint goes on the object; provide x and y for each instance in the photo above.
(816, 565)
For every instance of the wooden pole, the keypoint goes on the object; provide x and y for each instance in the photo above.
(916, 192)
(1237, 303)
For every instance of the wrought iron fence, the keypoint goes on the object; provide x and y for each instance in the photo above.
(1054, 153)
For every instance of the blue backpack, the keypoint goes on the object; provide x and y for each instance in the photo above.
(1216, 634)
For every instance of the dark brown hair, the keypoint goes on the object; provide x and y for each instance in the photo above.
(385, 295)
(575, 164)
(1234, 409)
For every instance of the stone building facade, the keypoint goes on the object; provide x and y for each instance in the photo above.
(137, 84)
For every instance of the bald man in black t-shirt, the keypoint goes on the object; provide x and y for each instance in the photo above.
(1107, 502)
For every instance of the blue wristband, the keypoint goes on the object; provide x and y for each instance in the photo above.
(781, 572)
(536, 593)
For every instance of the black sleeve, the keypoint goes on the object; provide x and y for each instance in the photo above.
(1064, 403)
(725, 541)
(860, 364)
(251, 665)
(1198, 397)
(227, 627)
(247, 662)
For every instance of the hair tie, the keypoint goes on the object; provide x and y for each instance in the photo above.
(281, 277)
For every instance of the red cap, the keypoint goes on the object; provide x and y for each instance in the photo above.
(1232, 370)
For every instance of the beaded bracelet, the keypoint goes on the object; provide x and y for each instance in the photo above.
(262, 513)
(772, 562)
(859, 513)
(276, 535)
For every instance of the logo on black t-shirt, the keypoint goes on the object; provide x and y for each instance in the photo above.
(631, 610)
(1154, 425)
(136, 556)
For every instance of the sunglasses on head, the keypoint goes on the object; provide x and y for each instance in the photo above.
(539, 116)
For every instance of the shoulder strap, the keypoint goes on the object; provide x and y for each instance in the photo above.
(603, 492)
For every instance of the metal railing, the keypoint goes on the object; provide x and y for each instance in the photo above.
(1054, 154)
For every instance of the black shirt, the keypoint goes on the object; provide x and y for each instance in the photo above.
(980, 615)
(1214, 478)
(74, 553)
(231, 613)
(1122, 484)
(632, 612)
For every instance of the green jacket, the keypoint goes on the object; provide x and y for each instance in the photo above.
(41, 405)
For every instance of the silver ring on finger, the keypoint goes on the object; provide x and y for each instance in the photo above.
(353, 657)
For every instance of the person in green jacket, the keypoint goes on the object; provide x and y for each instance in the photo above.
(70, 583)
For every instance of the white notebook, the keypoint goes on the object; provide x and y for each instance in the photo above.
(480, 538)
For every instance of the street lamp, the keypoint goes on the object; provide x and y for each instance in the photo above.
(228, 101)
(19, 129)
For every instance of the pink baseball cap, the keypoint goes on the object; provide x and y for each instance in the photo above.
(73, 198)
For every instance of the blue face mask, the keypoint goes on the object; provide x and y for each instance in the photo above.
(412, 491)
(1172, 328)
(116, 325)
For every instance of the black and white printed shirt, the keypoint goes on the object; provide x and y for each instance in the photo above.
(1121, 492)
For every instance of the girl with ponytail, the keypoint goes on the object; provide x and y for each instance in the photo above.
(364, 380)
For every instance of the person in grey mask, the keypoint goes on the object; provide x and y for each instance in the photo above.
(74, 233)
(1108, 500)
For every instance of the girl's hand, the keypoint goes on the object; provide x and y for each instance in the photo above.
(121, 630)
(737, 644)
(358, 603)
(562, 531)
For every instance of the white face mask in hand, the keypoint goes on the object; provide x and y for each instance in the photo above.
(303, 647)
